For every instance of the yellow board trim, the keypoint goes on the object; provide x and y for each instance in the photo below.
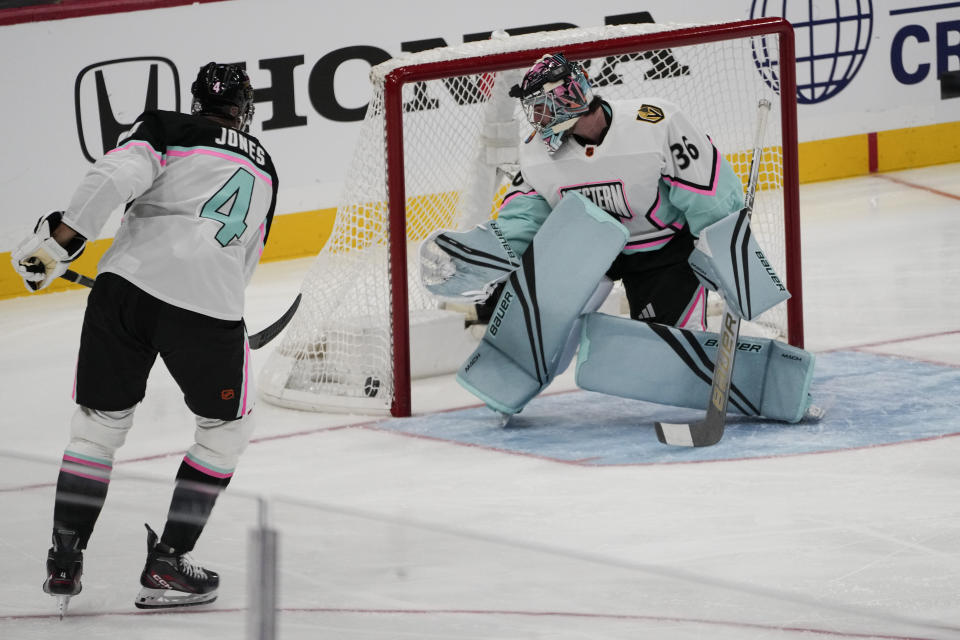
(298, 235)
(294, 235)
(918, 147)
(833, 159)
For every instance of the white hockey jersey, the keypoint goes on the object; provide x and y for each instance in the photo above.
(654, 172)
(201, 199)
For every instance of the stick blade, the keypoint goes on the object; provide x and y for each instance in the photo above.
(703, 433)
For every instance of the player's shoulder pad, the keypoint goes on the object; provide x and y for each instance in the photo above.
(148, 127)
(260, 145)
(650, 113)
(646, 110)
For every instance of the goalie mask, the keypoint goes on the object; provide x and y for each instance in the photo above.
(554, 94)
(223, 90)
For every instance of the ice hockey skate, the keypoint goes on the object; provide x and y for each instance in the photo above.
(64, 567)
(172, 579)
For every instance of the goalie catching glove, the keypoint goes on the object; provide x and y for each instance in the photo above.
(40, 259)
(466, 266)
(728, 260)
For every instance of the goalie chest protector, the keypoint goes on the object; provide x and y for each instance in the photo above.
(633, 172)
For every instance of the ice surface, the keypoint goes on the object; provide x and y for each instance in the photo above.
(572, 521)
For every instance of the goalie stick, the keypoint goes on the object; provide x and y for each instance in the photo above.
(709, 431)
(257, 340)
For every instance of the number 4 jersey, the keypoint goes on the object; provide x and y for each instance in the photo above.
(200, 199)
(654, 171)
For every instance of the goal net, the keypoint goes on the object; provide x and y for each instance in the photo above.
(437, 149)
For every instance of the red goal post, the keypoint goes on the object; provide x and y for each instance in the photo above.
(771, 48)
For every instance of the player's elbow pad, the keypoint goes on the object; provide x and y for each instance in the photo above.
(728, 260)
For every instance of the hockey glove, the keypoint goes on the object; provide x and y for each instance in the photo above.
(466, 266)
(40, 259)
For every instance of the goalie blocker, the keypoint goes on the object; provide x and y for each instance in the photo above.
(728, 260)
(661, 364)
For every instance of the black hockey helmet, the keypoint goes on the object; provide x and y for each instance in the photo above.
(223, 90)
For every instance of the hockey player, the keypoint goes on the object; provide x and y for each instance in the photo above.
(617, 190)
(200, 193)
(646, 165)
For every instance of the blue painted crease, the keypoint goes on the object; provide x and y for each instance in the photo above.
(870, 400)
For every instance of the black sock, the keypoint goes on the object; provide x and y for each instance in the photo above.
(80, 498)
(193, 500)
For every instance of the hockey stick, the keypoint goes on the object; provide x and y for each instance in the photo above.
(264, 336)
(708, 431)
(79, 278)
(257, 340)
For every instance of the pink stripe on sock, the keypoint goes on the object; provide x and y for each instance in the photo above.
(202, 469)
(88, 463)
(85, 475)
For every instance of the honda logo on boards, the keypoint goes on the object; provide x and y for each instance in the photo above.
(108, 97)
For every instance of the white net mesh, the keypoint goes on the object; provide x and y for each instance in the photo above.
(460, 135)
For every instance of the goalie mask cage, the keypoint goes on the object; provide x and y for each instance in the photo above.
(438, 147)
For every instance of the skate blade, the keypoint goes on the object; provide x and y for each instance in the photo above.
(62, 603)
(814, 413)
(167, 598)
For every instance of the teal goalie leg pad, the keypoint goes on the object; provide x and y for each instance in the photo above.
(540, 304)
(661, 364)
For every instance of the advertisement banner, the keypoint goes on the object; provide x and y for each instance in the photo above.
(72, 85)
